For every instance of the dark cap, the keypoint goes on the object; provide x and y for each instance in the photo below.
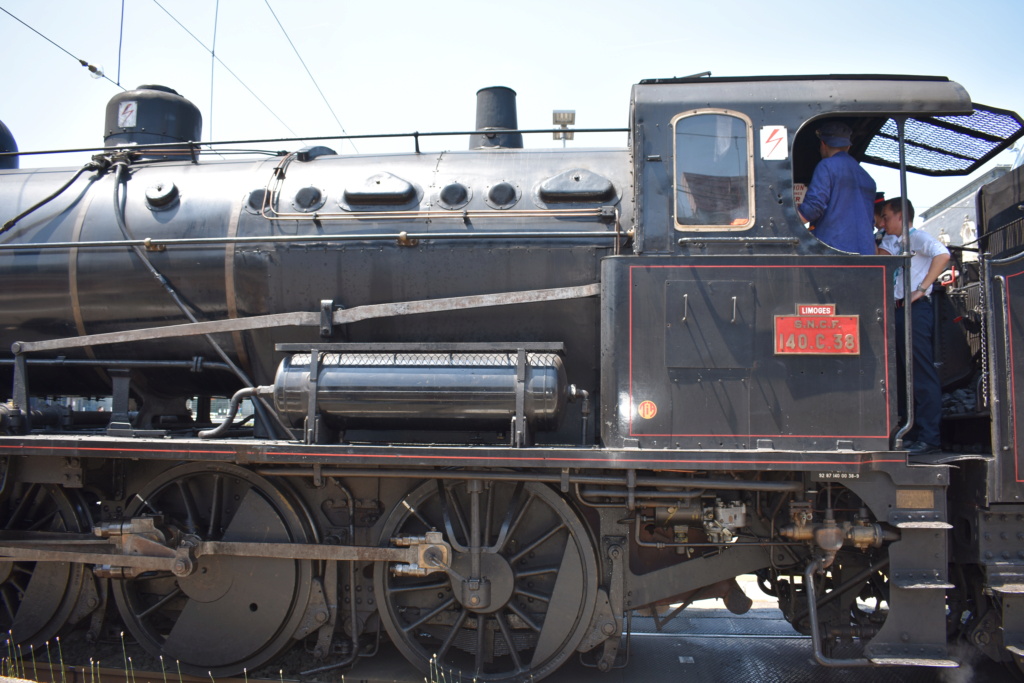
(879, 198)
(834, 134)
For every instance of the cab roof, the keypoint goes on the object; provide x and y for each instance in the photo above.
(945, 132)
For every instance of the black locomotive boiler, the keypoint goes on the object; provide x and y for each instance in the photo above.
(488, 403)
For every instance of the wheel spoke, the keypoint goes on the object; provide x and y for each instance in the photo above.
(481, 642)
(515, 558)
(460, 517)
(159, 603)
(416, 513)
(216, 506)
(44, 522)
(18, 513)
(429, 615)
(446, 501)
(533, 594)
(514, 514)
(523, 615)
(536, 571)
(488, 520)
(144, 505)
(10, 608)
(442, 495)
(461, 619)
(20, 584)
(392, 590)
(506, 633)
(191, 513)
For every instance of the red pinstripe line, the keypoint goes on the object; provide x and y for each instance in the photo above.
(885, 339)
(477, 457)
(630, 354)
(885, 345)
(759, 266)
(1013, 383)
(127, 450)
(776, 436)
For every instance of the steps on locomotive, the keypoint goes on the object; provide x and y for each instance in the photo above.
(914, 633)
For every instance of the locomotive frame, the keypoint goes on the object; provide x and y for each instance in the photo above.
(504, 397)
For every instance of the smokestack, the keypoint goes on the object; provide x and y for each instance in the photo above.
(496, 111)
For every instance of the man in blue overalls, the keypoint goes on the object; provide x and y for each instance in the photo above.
(840, 199)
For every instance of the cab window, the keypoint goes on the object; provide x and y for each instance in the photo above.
(713, 171)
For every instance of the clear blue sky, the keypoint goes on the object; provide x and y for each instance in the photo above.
(408, 65)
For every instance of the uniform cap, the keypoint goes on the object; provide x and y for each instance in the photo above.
(834, 134)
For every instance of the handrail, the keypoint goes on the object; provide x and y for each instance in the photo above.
(195, 145)
(908, 332)
(1007, 351)
(157, 243)
(312, 319)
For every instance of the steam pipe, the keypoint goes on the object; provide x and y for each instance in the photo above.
(812, 605)
(236, 400)
(91, 166)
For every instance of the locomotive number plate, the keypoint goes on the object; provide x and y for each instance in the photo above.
(817, 334)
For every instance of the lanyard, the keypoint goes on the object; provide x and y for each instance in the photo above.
(899, 271)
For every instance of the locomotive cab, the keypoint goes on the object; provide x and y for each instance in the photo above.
(716, 309)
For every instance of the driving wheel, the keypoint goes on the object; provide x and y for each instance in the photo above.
(38, 597)
(231, 613)
(532, 600)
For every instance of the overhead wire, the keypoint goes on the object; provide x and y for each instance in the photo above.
(213, 64)
(95, 70)
(98, 71)
(213, 58)
(120, 44)
(227, 68)
(308, 72)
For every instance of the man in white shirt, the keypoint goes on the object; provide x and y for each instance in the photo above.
(928, 259)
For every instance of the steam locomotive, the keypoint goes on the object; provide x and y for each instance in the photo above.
(489, 403)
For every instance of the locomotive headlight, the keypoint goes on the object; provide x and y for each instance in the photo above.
(563, 118)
